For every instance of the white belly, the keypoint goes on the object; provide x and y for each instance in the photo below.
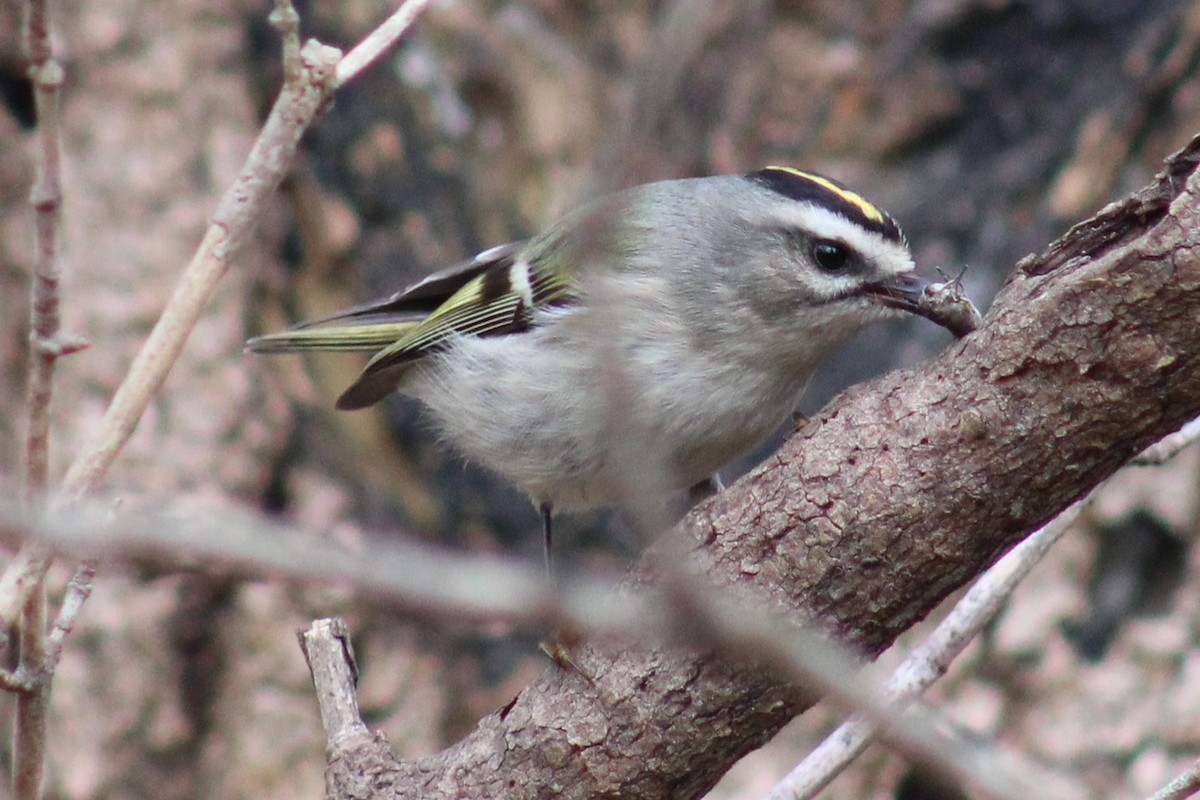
(600, 424)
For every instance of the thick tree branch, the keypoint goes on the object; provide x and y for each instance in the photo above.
(899, 492)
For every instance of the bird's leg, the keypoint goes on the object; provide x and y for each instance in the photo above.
(558, 648)
(547, 539)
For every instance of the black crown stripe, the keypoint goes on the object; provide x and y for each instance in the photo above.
(827, 193)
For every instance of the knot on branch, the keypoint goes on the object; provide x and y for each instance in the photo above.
(59, 345)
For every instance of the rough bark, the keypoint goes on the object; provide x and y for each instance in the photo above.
(900, 491)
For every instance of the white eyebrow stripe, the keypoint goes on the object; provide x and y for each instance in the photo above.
(890, 257)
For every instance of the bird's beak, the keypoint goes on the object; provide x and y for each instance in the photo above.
(940, 302)
(903, 291)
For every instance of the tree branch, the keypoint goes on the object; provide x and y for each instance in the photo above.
(313, 76)
(29, 740)
(46, 198)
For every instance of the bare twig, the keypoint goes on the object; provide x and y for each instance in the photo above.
(1168, 447)
(238, 211)
(78, 590)
(810, 660)
(46, 198)
(21, 578)
(29, 743)
(379, 40)
(236, 215)
(421, 578)
(330, 657)
(1186, 785)
(287, 22)
(928, 661)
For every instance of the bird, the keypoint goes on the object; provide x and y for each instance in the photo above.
(643, 341)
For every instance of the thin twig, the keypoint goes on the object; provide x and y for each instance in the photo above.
(46, 199)
(1168, 447)
(32, 677)
(421, 578)
(78, 590)
(236, 215)
(808, 659)
(379, 40)
(21, 578)
(330, 657)
(929, 660)
(46, 74)
(1186, 785)
(287, 22)
(29, 741)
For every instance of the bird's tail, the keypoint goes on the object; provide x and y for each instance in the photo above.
(366, 336)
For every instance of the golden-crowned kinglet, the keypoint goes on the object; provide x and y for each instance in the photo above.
(658, 332)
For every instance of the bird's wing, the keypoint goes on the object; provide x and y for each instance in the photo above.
(499, 300)
(498, 297)
(428, 293)
(385, 321)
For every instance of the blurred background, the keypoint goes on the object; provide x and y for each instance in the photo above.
(986, 127)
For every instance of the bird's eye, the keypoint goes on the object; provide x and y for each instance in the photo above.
(830, 256)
